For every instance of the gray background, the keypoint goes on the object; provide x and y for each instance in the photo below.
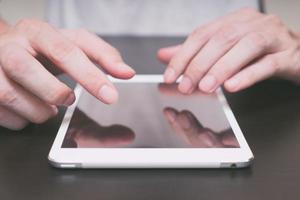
(13, 10)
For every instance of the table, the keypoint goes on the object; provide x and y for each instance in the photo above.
(268, 113)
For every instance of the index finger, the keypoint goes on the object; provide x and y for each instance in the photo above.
(70, 58)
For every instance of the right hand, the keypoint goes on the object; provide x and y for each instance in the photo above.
(29, 92)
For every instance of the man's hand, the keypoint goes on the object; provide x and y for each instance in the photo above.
(29, 92)
(237, 50)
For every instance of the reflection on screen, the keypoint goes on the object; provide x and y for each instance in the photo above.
(150, 115)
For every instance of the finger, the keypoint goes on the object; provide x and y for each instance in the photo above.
(167, 89)
(170, 113)
(70, 58)
(165, 54)
(171, 116)
(18, 100)
(11, 120)
(217, 46)
(194, 131)
(260, 70)
(100, 52)
(246, 50)
(187, 51)
(188, 120)
(199, 38)
(24, 69)
(171, 89)
(228, 139)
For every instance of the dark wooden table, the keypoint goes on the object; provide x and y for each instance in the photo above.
(268, 113)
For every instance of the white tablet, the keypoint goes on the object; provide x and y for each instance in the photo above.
(151, 126)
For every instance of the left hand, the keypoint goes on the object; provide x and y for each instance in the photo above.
(237, 50)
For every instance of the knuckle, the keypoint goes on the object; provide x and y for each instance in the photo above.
(195, 70)
(60, 51)
(29, 25)
(12, 62)
(257, 41)
(273, 64)
(199, 34)
(220, 72)
(7, 96)
(275, 19)
(227, 35)
(82, 31)
(79, 33)
(58, 96)
(178, 63)
(196, 32)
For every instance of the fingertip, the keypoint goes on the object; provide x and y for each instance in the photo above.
(186, 85)
(160, 53)
(124, 71)
(162, 58)
(170, 75)
(231, 85)
(208, 84)
(70, 99)
(108, 94)
(170, 114)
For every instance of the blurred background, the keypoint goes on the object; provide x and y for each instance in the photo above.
(13, 10)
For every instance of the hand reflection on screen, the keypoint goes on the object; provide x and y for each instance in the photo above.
(86, 133)
(186, 125)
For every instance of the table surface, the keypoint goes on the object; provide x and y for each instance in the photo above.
(268, 114)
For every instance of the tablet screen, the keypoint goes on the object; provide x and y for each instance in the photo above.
(150, 115)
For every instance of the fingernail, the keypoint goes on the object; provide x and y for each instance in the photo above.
(169, 75)
(108, 94)
(232, 84)
(208, 83)
(69, 100)
(185, 85)
(124, 67)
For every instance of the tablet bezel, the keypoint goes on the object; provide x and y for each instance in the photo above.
(149, 157)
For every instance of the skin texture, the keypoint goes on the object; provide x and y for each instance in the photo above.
(236, 51)
(31, 50)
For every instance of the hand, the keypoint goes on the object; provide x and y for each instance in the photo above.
(237, 50)
(186, 125)
(29, 92)
(86, 133)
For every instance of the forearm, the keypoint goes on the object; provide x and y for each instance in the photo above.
(3, 26)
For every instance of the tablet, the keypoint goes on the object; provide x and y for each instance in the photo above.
(151, 126)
